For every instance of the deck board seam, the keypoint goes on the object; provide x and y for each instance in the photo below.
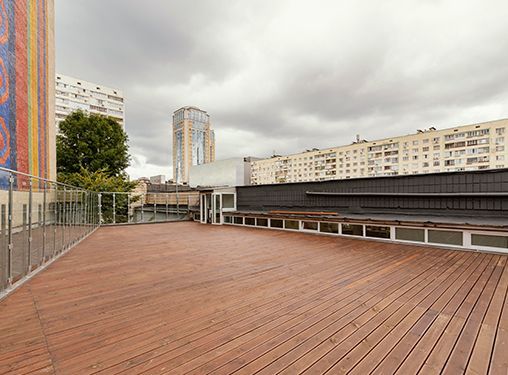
(41, 324)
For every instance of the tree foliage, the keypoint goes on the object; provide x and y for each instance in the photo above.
(98, 181)
(93, 143)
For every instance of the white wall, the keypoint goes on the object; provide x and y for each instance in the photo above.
(228, 172)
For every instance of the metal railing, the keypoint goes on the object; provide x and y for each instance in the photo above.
(145, 207)
(39, 220)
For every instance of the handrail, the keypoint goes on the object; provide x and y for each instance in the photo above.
(42, 179)
(41, 219)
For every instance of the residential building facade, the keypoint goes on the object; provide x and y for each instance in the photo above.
(463, 148)
(193, 141)
(74, 94)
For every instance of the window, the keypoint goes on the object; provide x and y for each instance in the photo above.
(310, 225)
(410, 234)
(228, 201)
(489, 240)
(261, 222)
(291, 224)
(276, 223)
(329, 228)
(238, 220)
(377, 232)
(227, 219)
(250, 221)
(445, 237)
(352, 229)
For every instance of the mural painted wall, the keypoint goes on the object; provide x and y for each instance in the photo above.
(27, 131)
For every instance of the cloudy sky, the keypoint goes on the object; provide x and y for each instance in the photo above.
(287, 75)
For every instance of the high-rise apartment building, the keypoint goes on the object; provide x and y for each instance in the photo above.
(27, 87)
(463, 148)
(193, 141)
(74, 94)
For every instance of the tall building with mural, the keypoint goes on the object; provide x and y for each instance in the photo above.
(27, 87)
(193, 141)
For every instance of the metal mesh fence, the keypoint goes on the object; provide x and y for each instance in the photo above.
(39, 219)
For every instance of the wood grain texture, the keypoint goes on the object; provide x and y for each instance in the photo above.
(186, 298)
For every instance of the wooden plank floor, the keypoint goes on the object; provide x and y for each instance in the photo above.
(186, 298)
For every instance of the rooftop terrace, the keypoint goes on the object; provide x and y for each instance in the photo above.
(181, 298)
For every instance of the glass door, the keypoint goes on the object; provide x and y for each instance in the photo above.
(202, 209)
(217, 208)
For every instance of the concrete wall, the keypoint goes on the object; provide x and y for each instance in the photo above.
(229, 172)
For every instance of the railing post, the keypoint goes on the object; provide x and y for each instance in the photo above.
(155, 195)
(100, 207)
(64, 216)
(93, 211)
(30, 209)
(114, 208)
(177, 205)
(70, 220)
(128, 208)
(9, 218)
(55, 220)
(4, 256)
(167, 207)
(44, 203)
(76, 216)
(142, 204)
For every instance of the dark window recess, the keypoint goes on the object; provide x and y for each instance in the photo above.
(250, 221)
(410, 234)
(352, 229)
(329, 228)
(489, 240)
(238, 220)
(291, 224)
(445, 237)
(261, 222)
(227, 219)
(378, 232)
(276, 223)
(310, 225)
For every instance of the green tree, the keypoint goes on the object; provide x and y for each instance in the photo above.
(91, 142)
(98, 181)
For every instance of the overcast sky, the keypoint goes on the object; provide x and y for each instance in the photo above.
(288, 75)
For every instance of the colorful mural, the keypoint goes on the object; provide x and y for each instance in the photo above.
(24, 86)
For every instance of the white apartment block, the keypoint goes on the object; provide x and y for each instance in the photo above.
(463, 148)
(73, 94)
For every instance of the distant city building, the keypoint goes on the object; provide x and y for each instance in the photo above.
(222, 173)
(74, 94)
(463, 148)
(193, 141)
(159, 179)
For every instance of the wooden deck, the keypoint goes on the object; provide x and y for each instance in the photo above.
(184, 298)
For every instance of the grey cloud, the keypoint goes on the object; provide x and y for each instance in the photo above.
(288, 75)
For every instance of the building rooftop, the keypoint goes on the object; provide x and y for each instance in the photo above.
(184, 297)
